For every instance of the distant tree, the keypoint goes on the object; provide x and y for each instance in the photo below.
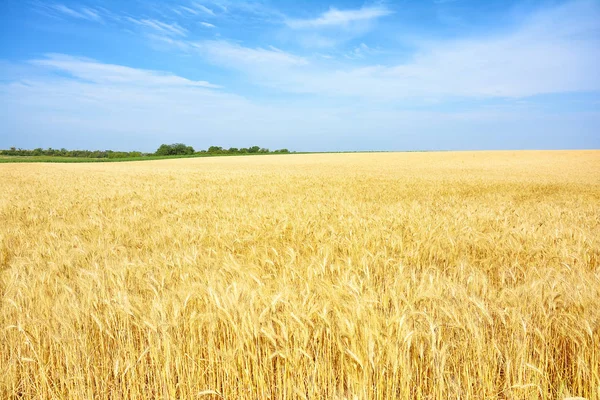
(163, 150)
(215, 149)
(174, 149)
(182, 149)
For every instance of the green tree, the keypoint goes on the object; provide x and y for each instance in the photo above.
(215, 149)
(174, 149)
(163, 150)
(182, 149)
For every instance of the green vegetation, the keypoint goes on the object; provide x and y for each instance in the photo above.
(54, 159)
(50, 152)
(176, 150)
(244, 150)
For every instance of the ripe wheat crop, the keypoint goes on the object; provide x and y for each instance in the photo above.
(472, 275)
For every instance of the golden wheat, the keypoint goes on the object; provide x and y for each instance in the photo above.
(466, 275)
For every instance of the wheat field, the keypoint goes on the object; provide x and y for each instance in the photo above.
(471, 275)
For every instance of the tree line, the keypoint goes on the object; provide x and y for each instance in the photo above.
(182, 149)
(176, 149)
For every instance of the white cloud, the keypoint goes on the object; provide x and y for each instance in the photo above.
(203, 8)
(110, 106)
(99, 73)
(335, 17)
(107, 106)
(236, 56)
(90, 13)
(555, 50)
(334, 27)
(83, 13)
(162, 27)
(361, 51)
(242, 11)
(207, 25)
(189, 10)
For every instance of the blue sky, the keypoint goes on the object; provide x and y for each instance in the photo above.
(305, 75)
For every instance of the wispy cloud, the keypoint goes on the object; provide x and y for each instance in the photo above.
(238, 57)
(335, 17)
(95, 105)
(234, 55)
(203, 8)
(335, 27)
(360, 52)
(207, 25)
(109, 106)
(173, 29)
(80, 13)
(93, 71)
(106, 105)
(91, 14)
(555, 50)
(242, 11)
(188, 10)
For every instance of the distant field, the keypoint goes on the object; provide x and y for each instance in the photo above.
(472, 275)
(58, 159)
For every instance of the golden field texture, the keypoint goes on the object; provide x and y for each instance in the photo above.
(471, 275)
